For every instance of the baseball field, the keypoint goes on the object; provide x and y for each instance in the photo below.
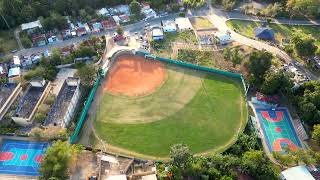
(146, 106)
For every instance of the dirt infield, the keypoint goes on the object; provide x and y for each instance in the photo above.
(134, 76)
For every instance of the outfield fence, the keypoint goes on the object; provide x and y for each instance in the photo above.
(85, 110)
(196, 67)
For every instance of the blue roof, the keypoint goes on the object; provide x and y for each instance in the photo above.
(264, 33)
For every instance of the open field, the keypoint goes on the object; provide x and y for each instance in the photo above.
(201, 23)
(204, 111)
(8, 40)
(281, 31)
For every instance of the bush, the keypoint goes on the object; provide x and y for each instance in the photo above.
(182, 14)
(26, 42)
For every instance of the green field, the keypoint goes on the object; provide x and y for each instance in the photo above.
(281, 31)
(204, 111)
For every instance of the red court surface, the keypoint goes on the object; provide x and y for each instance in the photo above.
(135, 76)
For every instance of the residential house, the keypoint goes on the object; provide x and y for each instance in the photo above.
(113, 11)
(52, 39)
(149, 14)
(124, 18)
(26, 61)
(183, 24)
(103, 12)
(39, 40)
(144, 6)
(223, 39)
(157, 34)
(96, 27)
(117, 19)
(123, 9)
(67, 50)
(110, 23)
(3, 70)
(81, 31)
(15, 62)
(169, 26)
(14, 72)
(31, 26)
(86, 26)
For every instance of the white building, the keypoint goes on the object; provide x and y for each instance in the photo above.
(149, 14)
(183, 24)
(29, 27)
(296, 173)
(169, 26)
(157, 34)
(103, 12)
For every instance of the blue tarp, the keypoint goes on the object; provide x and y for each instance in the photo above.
(264, 33)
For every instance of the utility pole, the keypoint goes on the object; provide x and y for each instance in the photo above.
(4, 19)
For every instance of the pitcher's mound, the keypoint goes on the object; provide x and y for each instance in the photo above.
(135, 76)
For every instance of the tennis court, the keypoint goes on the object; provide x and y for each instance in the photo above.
(278, 130)
(21, 157)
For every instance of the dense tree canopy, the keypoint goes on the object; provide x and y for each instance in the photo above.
(275, 83)
(258, 64)
(309, 8)
(303, 44)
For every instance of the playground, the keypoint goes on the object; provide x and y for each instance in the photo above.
(278, 130)
(145, 106)
(21, 157)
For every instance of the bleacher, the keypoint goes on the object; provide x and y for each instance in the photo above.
(60, 106)
(29, 101)
(5, 92)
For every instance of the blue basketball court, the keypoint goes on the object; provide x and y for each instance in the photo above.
(21, 157)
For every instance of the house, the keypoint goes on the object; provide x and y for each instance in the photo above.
(149, 14)
(124, 18)
(223, 39)
(31, 26)
(297, 172)
(39, 40)
(169, 26)
(116, 19)
(81, 31)
(15, 62)
(264, 33)
(109, 24)
(14, 72)
(86, 26)
(66, 51)
(183, 24)
(123, 9)
(144, 6)
(103, 12)
(35, 58)
(157, 34)
(3, 70)
(96, 27)
(26, 61)
(113, 11)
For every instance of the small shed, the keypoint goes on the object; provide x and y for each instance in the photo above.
(297, 172)
(264, 33)
(183, 24)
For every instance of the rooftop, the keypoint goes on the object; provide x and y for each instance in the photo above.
(5, 92)
(62, 102)
(298, 172)
(157, 32)
(183, 23)
(30, 99)
(31, 25)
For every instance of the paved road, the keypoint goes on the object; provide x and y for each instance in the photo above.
(131, 28)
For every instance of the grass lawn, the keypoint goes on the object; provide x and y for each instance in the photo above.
(8, 40)
(208, 115)
(281, 31)
(200, 23)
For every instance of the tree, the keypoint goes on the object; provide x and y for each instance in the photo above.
(119, 30)
(303, 44)
(57, 160)
(87, 75)
(256, 164)
(259, 62)
(244, 143)
(228, 5)
(275, 83)
(180, 155)
(193, 3)
(135, 8)
(304, 7)
(316, 133)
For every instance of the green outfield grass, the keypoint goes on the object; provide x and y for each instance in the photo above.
(204, 111)
(281, 31)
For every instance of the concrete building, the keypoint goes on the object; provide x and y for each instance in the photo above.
(183, 24)
(8, 94)
(31, 26)
(65, 104)
(157, 34)
(34, 95)
(297, 172)
(169, 26)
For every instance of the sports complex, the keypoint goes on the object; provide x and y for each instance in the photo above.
(146, 104)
